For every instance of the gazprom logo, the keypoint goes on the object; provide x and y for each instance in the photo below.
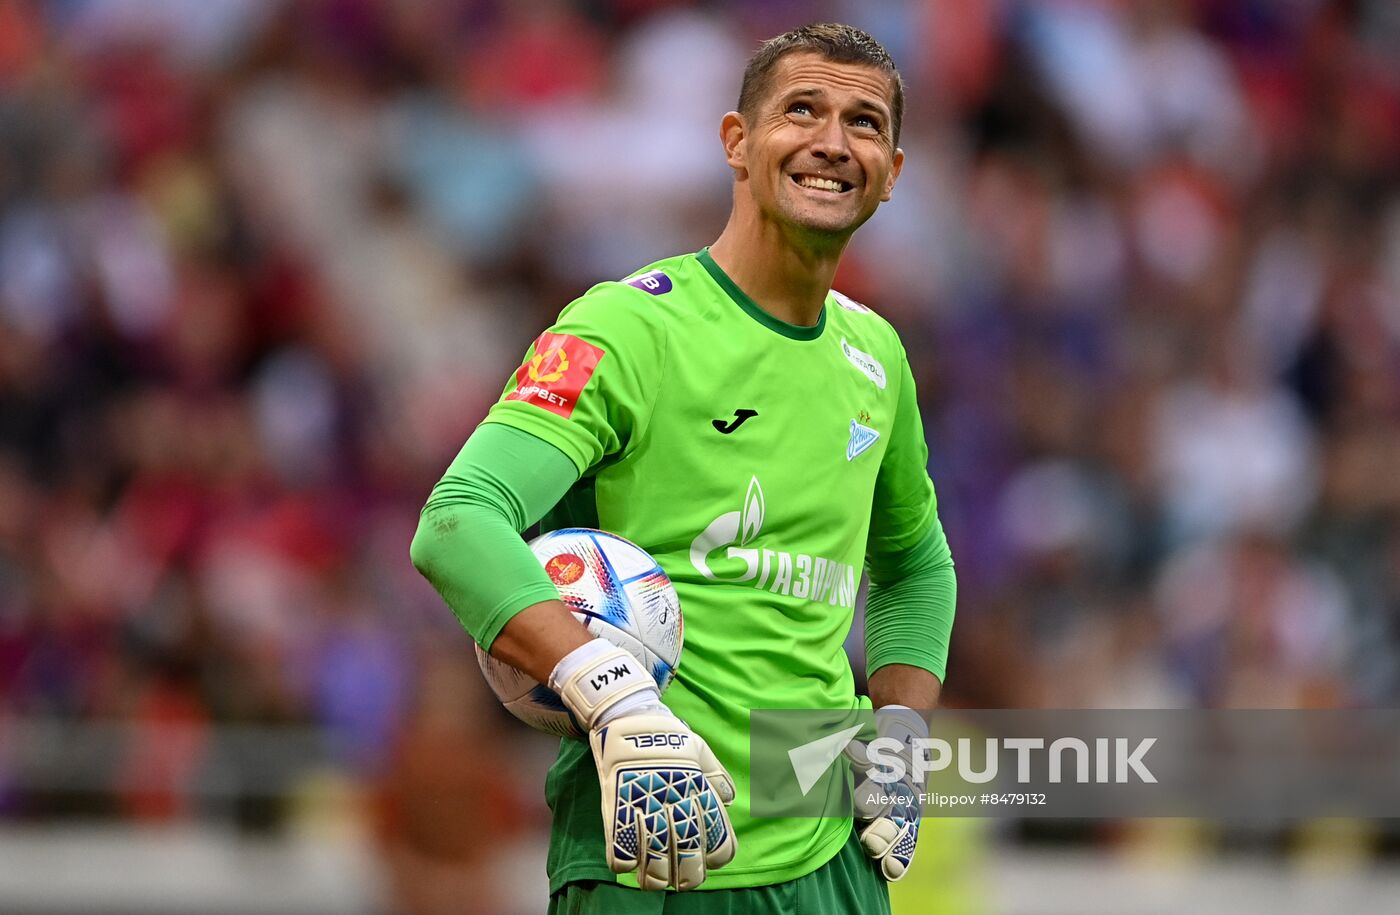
(736, 529)
(800, 575)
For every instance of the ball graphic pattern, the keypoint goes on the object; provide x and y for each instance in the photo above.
(620, 593)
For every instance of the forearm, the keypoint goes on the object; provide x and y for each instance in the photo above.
(468, 545)
(476, 560)
(537, 637)
(904, 684)
(908, 622)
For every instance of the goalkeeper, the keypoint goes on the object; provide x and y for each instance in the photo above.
(757, 433)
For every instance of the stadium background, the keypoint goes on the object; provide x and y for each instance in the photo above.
(264, 265)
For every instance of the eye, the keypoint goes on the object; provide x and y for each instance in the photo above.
(867, 121)
(800, 108)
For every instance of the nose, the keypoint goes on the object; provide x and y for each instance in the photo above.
(829, 142)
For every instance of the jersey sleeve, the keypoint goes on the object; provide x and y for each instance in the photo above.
(904, 507)
(913, 589)
(588, 383)
(502, 481)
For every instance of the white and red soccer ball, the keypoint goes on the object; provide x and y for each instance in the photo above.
(617, 590)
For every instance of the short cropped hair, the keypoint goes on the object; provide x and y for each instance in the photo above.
(842, 44)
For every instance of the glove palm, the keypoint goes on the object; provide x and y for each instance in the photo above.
(664, 792)
(888, 813)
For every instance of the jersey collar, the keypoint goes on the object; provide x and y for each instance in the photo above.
(753, 309)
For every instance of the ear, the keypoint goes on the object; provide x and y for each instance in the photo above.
(731, 134)
(888, 191)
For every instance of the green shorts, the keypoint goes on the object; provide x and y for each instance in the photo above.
(848, 884)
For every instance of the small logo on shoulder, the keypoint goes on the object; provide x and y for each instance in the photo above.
(869, 366)
(849, 303)
(862, 437)
(655, 282)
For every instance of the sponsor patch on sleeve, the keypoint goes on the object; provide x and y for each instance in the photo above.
(655, 282)
(554, 377)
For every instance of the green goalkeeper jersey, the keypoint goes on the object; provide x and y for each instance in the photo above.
(758, 461)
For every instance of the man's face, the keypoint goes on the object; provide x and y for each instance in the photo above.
(818, 152)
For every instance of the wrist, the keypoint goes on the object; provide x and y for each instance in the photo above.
(599, 682)
(901, 719)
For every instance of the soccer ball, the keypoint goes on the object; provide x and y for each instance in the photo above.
(617, 590)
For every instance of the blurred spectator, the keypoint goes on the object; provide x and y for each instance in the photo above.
(448, 810)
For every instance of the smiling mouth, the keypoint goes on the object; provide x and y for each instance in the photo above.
(827, 185)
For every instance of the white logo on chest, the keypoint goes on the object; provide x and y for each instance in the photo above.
(862, 437)
(869, 366)
(800, 575)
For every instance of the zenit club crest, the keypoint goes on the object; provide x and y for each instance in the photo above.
(862, 437)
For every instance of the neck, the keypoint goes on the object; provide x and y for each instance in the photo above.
(788, 277)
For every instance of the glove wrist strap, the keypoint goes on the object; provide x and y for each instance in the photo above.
(596, 677)
(901, 719)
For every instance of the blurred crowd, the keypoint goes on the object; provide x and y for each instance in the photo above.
(264, 264)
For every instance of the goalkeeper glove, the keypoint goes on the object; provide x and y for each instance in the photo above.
(664, 792)
(887, 813)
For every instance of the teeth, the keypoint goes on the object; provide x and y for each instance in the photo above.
(825, 184)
